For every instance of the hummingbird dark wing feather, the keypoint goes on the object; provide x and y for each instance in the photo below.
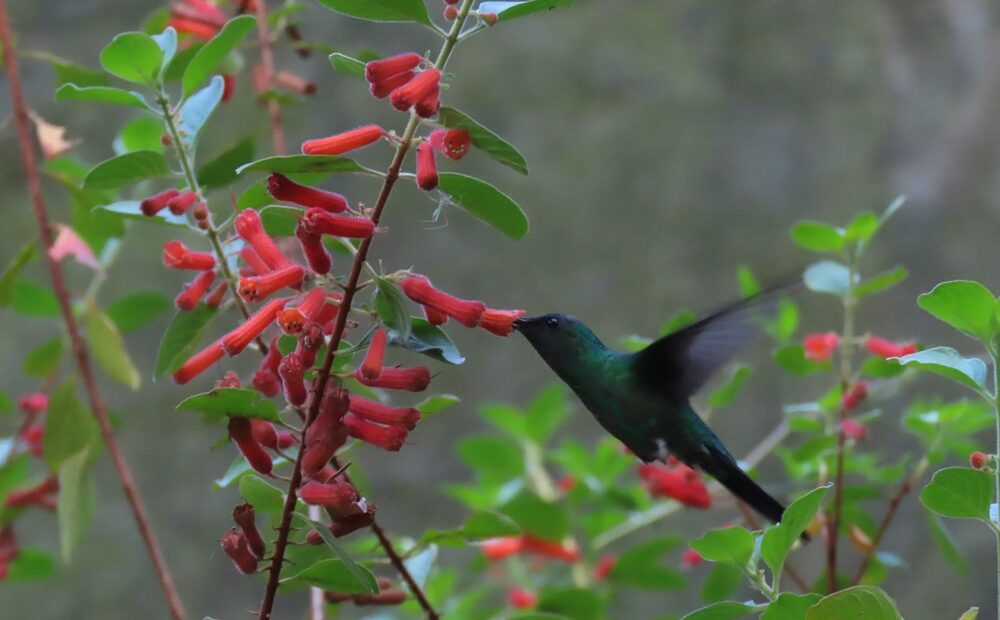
(724, 468)
(680, 363)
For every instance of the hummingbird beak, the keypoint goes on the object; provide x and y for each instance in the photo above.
(519, 323)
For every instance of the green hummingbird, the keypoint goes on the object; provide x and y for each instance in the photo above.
(643, 398)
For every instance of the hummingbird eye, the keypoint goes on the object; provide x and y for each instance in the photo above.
(552, 322)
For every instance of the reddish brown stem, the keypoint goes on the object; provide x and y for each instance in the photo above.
(890, 513)
(833, 524)
(79, 348)
(267, 61)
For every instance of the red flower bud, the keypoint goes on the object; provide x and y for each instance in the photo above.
(819, 347)
(251, 229)
(551, 549)
(180, 203)
(312, 247)
(214, 300)
(419, 289)
(266, 382)
(414, 379)
(228, 380)
(344, 142)
(199, 362)
(34, 403)
(340, 499)
(378, 70)
(295, 83)
(372, 364)
(567, 483)
(228, 86)
(264, 433)
(450, 13)
(8, 544)
(193, 27)
(372, 411)
(604, 566)
(691, 558)
(193, 292)
(283, 188)
(979, 460)
(256, 288)
(421, 86)
(499, 548)
(310, 340)
(427, 173)
(272, 358)
(853, 429)
(320, 222)
(33, 496)
(519, 598)
(292, 373)
(490, 19)
(452, 1)
(500, 322)
(254, 261)
(243, 516)
(157, 202)
(434, 316)
(259, 459)
(234, 543)
(353, 523)
(389, 438)
(286, 440)
(235, 341)
(428, 106)
(854, 396)
(382, 88)
(679, 482)
(887, 348)
(176, 255)
(454, 143)
(32, 436)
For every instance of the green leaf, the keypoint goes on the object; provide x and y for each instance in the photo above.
(959, 493)
(381, 10)
(108, 348)
(790, 606)
(346, 64)
(279, 220)
(126, 169)
(31, 565)
(818, 237)
(292, 164)
(221, 170)
(536, 516)
(642, 567)
(265, 497)
(948, 362)
(333, 575)
(133, 57)
(10, 271)
(102, 94)
(182, 339)
(732, 545)
(792, 359)
(69, 427)
(429, 340)
(196, 110)
(862, 228)
(220, 403)
(748, 283)
(67, 72)
(481, 525)
(881, 282)
(437, 402)
(547, 412)
(866, 602)
(721, 582)
(390, 304)
(967, 306)
(723, 610)
(970, 614)
(727, 393)
(827, 276)
(167, 41)
(30, 299)
(213, 52)
(13, 472)
(486, 203)
(484, 139)
(946, 544)
(133, 311)
(506, 11)
(361, 574)
(132, 210)
(44, 360)
(77, 501)
(495, 459)
(778, 539)
(142, 133)
(575, 603)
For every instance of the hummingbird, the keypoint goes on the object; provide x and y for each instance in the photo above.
(643, 398)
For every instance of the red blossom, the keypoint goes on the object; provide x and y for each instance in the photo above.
(372, 364)
(292, 373)
(434, 316)
(887, 348)
(326, 433)
(214, 299)
(199, 362)
(250, 228)
(421, 86)
(32, 436)
(294, 83)
(389, 438)
(235, 545)
(310, 340)
(254, 261)
(235, 341)
(428, 106)
(339, 498)
(188, 299)
(379, 413)
(427, 174)
(979, 460)
(321, 222)
(819, 347)
(490, 19)
(855, 396)
(266, 382)
(550, 549)
(499, 548)
(679, 482)
(691, 558)
(240, 432)
(853, 429)
(500, 322)
(454, 143)
(519, 598)
(243, 516)
(228, 86)
(344, 142)
(36, 402)
(378, 70)
(382, 88)
(604, 566)
(176, 255)
(180, 203)
(353, 523)
(312, 247)
(157, 202)
(450, 13)
(419, 289)
(413, 379)
(567, 483)
(256, 288)
(264, 433)
(228, 380)
(283, 188)
(33, 496)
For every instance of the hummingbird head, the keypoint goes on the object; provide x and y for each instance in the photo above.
(558, 338)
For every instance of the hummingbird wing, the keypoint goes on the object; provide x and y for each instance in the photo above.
(681, 362)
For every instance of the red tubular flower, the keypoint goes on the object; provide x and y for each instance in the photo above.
(243, 516)
(819, 347)
(490, 19)
(228, 86)
(854, 396)
(604, 566)
(254, 261)
(199, 362)
(310, 340)
(887, 348)
(295, 83)
(419, 289)
(283, 188)
(176, 255)
(519, 598)
(312, 247)
(979, 460)
(407, 95)
(240, 432)
(853, 429)
(344, 142)
(228, 380)
(499, 548)
(33, 496)
(427, 173)
(353, 523)
(34, 403)
(454, 143)
(181, 202)
(193, 27)
(378, 70)
(325, 434)
(32, 436)
(234, 543)
(264, 433)
(382, 88)
(550, 549)
(428, 106)
(291, 321)
(8, 544)
(389, 438)
(372, 411)
(434, 316)
(500, 322)
(292, 372)
(567, 483)
(256, 288)
(414, 379)
(193, 292)
(235, 341)
(251, 229)
(691, 558)
(372, 364)
(679, 482)
(273, 356)
(266, 382)
(157, 202)
(340, 499)
(286, 440)
(323, 223)
(214, 299)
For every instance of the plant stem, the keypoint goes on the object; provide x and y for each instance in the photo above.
(392, 174)
(267, 61)
(996, 475)
(79, 347)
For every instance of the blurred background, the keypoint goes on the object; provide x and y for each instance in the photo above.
(668, 143)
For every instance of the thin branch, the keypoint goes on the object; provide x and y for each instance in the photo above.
(904, 489)
(267, 61)
(79, 348)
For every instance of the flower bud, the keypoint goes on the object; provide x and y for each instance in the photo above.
(312, 247)
(819, 347)
(180, 203)
(234, 543)
(157, 202)
(228, 380)
(427, 174)
(249, 226)
(33, 496)
(266, 382)
(691, 558)
(887, 348)
(214, 299)
(604, 566)
(32, 436)
(259, 459)
(854, 397)
(323, 223)
(979, 460)
(188, 299)
(519, 598)
(377, 70)
(283, 188)
(310, 341)
(434, 316)
(199, 362)
(500, 548)
(420, 87)
(294, 83)
(256, 288)
(372, 364)
(340, 499)
(500, 322)
(228, 86)
(254, 261)
(243, 516)
(490, 19)
(292, 373)
(428, 106)
(414, 379)
(450, 13)
(344, 142)
(551, 549)
(853, 429)
(176, 255)
(372, 411)
(389, 438)
(36, 402)
(352, 523)
(382, 88)
(235, 341)
(325, 434)
(264, 433)
(419, 289)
